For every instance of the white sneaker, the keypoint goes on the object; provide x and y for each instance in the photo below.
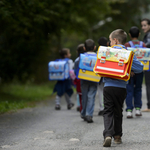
(138, 112)
(129, 114)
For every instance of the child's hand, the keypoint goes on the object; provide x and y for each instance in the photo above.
(132, 74)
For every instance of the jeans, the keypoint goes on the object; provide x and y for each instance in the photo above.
(89, 90)
(134, 92)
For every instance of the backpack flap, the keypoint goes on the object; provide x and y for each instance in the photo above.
(114, 63)
(87, 62)
(58, 70)
(86, 65)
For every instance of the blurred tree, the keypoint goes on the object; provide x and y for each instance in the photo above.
(32, 31)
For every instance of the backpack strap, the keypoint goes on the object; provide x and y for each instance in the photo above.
(131, 43)
(141, 44)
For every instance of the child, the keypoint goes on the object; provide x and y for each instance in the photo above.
(102, 41)
(114, 95)
(64, 87)
(145, 25)
(134, 87)
(88, 88)
(77, 81)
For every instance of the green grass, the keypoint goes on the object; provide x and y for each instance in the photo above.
(17, 96)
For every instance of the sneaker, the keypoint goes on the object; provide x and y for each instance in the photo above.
(83, 117)
(138, 112)
(129, 114)
(89, 119)
(107, 142)
(57, 107)
(70, 105)
(100, 113)
(78, 108)
(117, 139)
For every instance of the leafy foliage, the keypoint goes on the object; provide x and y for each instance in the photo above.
(32, 31)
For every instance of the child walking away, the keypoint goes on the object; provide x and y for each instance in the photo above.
(64, 87)
(80, 50)
(102, 41)
(114, 95)
(134, 87)
(88, 88)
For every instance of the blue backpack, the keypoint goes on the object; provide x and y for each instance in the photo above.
(86, 66)
(140, 45)
(58, 69)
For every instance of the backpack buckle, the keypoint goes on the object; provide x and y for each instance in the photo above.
(103, 59)
(121, 62)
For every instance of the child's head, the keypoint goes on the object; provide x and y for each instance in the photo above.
(102, 41)
(65, 53)
(80, 49)
(89, 45)
(134, 32)
(145, 23)
(118, 36)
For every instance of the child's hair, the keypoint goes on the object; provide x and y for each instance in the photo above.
(120, 35)
(80, 49)
(102, 41)
(134, 32)
(89, 45)
(63, 52)
(147, 20)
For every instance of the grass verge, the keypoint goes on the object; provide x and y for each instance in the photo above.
(18, 96)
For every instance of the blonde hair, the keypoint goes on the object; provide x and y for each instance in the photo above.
(120, 35)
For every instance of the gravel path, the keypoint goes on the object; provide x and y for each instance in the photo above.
(43, 128)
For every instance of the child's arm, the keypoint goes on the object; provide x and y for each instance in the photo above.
(137, 66)
(71, 64)
(76, 66)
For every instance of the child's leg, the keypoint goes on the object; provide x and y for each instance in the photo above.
(130, 92)
(80, 99)
(118, 109)
(108, 112)
(91, 99)
(138, 90)
(78, 103)
(68, 100)
(84, 89)
(57, 102)
(100, 93)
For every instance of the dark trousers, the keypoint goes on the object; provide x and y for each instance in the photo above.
(113, 107)
(147, 81)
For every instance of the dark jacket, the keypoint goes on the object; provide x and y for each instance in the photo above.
(146, 39)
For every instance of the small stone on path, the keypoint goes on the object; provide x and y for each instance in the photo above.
(74, 140)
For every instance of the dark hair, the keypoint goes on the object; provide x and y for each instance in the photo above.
(80, 49)
(134, 32)
(102, 41)
(89, 45)
(63, 52)
(120, 35)
(147, 20)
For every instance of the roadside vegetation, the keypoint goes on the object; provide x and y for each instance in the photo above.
(18, 96)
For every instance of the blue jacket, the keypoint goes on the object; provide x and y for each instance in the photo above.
(137, 67)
